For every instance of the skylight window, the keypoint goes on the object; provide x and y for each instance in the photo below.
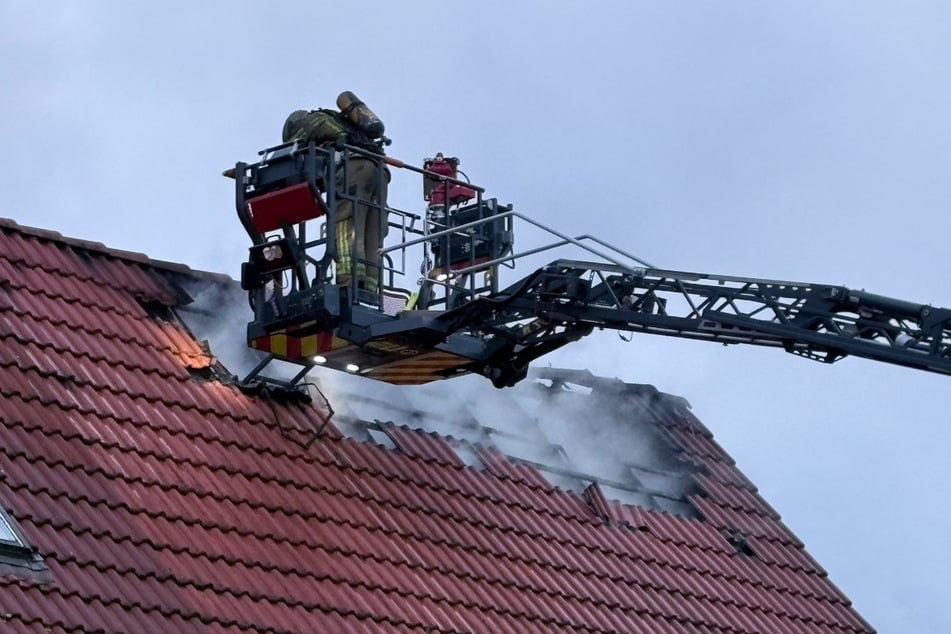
(7, 536)
(17, 557)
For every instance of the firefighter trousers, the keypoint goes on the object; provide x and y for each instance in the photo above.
(361, 222)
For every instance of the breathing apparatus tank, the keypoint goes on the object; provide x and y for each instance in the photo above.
(359, 114)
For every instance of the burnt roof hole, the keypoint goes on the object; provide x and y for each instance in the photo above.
(218, 314)
(379, 436)
(277, 394)
(205, 373)
(156, 310)
(468, 454)
(740, 545)
(363, 430)
(181, 287)
(83, 255)
(202, 323)
(214, 371)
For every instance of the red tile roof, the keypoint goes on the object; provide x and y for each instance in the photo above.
(163, 499)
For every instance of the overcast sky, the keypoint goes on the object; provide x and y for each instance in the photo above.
(795, 140)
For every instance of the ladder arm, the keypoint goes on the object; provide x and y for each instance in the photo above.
(568, 299)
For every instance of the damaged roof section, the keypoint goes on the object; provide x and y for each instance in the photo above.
(576, 429)
(160, 497)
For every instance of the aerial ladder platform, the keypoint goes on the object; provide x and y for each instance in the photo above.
(458, 319)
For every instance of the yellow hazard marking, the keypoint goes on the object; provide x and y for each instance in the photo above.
(337, 343)
(279, 345)
(417, 370)
(392, 347)
(308, 346)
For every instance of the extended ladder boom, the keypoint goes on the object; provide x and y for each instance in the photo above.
(459, 321)
(567, 299)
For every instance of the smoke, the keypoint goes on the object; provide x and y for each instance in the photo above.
(219, 315)
(574, 427)
(610, 430)
(575, 430)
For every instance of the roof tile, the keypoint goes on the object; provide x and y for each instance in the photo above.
(163, 502)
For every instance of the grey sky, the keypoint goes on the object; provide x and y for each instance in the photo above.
(795, 140)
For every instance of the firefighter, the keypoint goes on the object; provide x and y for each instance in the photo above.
(361, 214)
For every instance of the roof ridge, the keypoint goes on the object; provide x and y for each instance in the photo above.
(120, 254)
